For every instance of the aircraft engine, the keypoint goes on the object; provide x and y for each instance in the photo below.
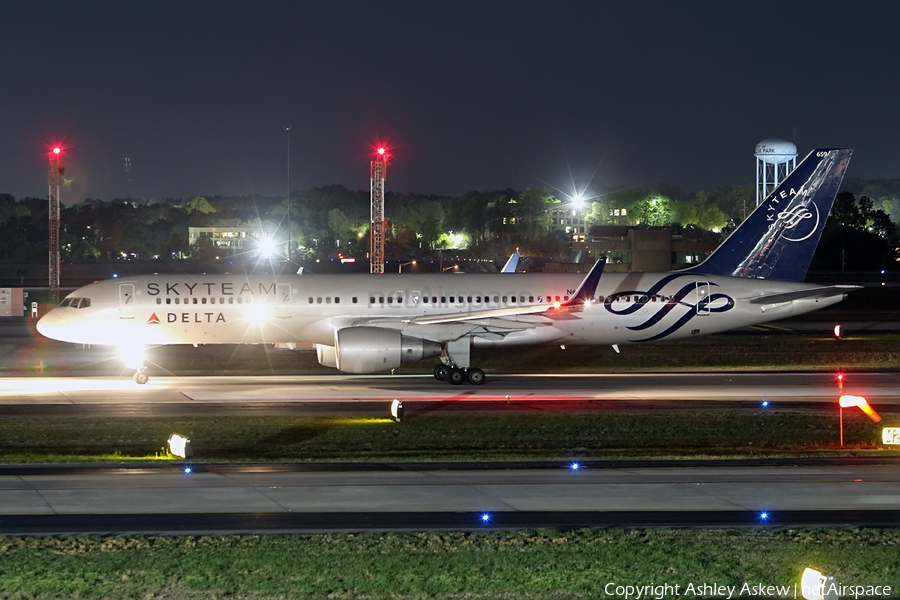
(373, 349)
(327, 355)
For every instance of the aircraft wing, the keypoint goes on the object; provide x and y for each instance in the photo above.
(819, 292)
(583, 295)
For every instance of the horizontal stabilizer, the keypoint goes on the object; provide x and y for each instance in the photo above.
(819, 292)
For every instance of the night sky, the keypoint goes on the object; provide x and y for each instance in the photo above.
(477, 95)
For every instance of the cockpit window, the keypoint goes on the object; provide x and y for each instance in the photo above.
(75, 303)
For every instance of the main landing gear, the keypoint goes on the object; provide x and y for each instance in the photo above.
(454, 365)
(458, 375)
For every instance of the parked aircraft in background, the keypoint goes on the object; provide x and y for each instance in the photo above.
(372, 323)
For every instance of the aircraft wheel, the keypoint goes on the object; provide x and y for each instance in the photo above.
(441, 372)
(475, 376)
(141, 377)
(457, 376)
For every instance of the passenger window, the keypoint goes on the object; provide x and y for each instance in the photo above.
(399, 298)
(203, 300)
(159, 300)
(319, 300)
(497, 299)
(195, 301)
(390, 299)
(469, 299)
(355, 300)
(565, 298)
(310, 300)
(425, 299)
(380, 299)
(531, 298)
(328, 300)
(443, 299)
(231, 301)
(337, 300)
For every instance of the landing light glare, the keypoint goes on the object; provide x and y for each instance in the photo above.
(132, 356)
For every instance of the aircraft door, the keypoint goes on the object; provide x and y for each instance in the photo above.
(283, 294)
(126, 300)
(702, 301)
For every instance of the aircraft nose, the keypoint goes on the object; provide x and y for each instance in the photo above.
(48, 325)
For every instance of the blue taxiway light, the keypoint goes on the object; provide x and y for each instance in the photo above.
(188, 470)
(763, 516)
(765, 404)
(575, 466)
(485, 517)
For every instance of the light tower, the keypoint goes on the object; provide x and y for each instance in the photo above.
(55, 171)
(775, 159)
(376, 211)
(127, 177)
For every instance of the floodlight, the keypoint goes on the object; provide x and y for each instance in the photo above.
(180, 446)
(816, 585)
(266, 247)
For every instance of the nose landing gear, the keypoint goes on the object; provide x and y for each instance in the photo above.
(140, 376)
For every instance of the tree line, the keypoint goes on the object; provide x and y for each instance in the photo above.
(331, 220)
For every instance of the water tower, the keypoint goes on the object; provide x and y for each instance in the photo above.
(775, 159)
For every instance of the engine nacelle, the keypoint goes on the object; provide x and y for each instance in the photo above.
(327, 355)
(373, 349)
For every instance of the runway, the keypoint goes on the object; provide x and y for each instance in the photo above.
(314, 498)
(363, 394)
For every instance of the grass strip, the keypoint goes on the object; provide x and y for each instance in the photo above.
(518, 564)
(667, 433)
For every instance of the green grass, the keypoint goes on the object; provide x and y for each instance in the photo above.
(522, 564)
(666, 433)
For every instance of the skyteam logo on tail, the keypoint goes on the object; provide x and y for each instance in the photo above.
(801, 219)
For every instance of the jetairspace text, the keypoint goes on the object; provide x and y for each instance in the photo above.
(717, 590)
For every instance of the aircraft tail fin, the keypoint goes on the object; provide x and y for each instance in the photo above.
(778, 239)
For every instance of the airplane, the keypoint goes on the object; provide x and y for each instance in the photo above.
(375, 323)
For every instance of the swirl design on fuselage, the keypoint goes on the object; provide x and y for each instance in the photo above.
(676, 300)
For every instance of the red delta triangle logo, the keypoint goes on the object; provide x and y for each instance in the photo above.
(153, 320)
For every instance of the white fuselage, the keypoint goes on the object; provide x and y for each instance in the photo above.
(234, 309)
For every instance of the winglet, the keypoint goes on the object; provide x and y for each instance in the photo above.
(511, 264)
(585, 292)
